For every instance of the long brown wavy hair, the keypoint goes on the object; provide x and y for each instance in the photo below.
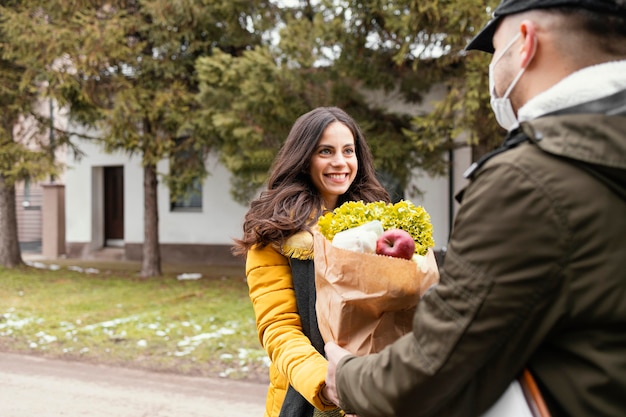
(291, 202)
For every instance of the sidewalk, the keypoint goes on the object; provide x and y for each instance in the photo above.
(33, 386)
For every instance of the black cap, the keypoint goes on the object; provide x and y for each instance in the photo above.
(483, 41)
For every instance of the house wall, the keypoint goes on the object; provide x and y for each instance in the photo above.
(220, 220)
(204, 236)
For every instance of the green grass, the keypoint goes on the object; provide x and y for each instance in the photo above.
(105, 313)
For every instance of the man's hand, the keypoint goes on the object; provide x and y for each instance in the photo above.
(334, 354)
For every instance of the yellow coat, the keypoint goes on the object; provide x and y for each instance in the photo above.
(293, 358)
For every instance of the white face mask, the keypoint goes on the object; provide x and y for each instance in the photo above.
(501, 106)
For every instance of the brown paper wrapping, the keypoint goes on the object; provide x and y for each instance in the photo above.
(366, 301)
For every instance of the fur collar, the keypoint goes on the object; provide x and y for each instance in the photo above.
(588, 84)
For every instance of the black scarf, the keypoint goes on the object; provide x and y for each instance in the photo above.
(303, 275)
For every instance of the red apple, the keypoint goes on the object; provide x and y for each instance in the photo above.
(397, 243)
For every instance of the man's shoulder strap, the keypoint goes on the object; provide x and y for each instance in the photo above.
(513, 139)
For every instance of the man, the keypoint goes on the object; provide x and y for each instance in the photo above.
(535, 273)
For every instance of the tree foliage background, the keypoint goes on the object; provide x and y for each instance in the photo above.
(332, 52)
(26, 151)
(126, 69)
(178, 79)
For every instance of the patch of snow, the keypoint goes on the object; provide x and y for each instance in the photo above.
(45, 338)
(189, 276)
(110, 323)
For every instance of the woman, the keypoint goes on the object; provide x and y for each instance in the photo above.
(324, 162)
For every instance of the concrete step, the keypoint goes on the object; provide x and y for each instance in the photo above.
(108, 254)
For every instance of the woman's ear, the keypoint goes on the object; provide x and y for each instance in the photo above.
(529, 45)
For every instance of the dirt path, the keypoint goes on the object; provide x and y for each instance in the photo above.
(34, 387)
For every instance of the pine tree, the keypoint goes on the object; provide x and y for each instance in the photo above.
(25, 151)
(333, 53)
(126, 68)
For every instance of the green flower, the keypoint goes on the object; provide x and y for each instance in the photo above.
(401, 215)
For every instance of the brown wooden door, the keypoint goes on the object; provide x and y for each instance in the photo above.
(113, 203)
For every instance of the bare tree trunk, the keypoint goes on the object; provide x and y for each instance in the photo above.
(10, 255)
(151, 264)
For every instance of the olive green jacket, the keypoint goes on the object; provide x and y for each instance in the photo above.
(534, 275)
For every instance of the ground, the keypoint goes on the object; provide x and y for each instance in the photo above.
(34, 386)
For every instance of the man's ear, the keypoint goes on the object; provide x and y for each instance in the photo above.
(529, 45)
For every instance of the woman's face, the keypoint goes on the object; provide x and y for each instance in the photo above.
(334, 163)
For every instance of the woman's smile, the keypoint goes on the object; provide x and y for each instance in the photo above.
(337, 177)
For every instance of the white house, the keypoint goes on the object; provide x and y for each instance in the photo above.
(104, 208)
(104, 205)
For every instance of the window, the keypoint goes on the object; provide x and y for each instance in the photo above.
(191, 200)
(186, 166)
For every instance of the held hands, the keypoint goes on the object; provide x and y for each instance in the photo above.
(334, 354)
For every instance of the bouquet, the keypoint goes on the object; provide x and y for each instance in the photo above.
(365, 298)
